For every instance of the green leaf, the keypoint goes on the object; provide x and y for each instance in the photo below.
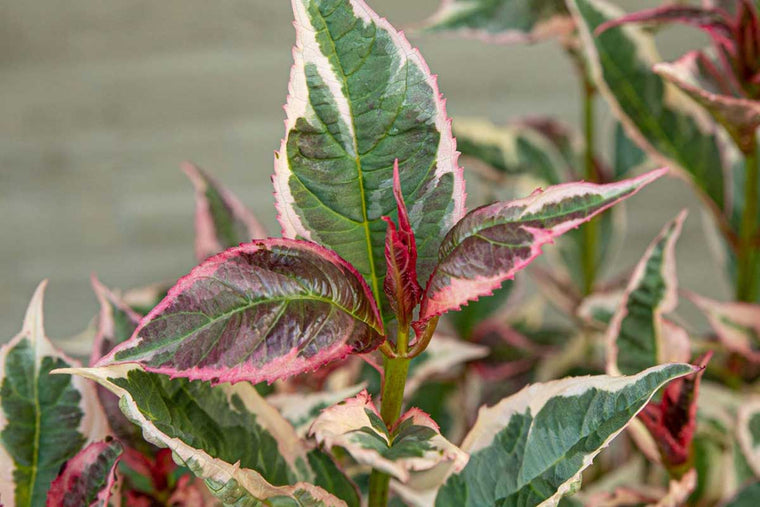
(361, 97)
(226, 434)
(627, 155)
(502, 21)
(532, 447)
(44, 419)
(655, 114)
(414, 443)
(748, 497)
(221, 220)
(259, 312)
(638, 337)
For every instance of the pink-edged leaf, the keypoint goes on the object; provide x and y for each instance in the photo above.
(697, 74)
(88, 478)
(638, 337)
(737, 325)
(259, 312)
(414, 443)
(192, 492)
(221, 220)
(401, 285)
(673, 420)
(492, 243)
(714, 21)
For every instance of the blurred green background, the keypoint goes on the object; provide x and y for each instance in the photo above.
(100, 101)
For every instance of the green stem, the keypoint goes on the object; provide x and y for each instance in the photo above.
(747, 256)
(392, 399)
(591, 229)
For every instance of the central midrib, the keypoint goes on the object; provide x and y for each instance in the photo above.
(360, 174)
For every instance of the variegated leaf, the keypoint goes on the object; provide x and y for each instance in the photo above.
(300, 409)
(116, 321)
(361, 97)
(502, 21)
(599, 308)
(262, 311)
(441, 357)
(532, 447)
(87, 479)
(44, 419)
(493, 242)
(697, 74)
(655, 114)
(543, 149)
(748, 432)
(737, 325)
(221, 220)
(638, 337)
(414, 443)
(627, 155)
(226, 435)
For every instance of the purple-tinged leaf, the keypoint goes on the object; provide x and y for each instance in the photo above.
(673, 419)
(221, 220)
(412, 444)
(697, 74)
(88, 478)
(492, 243)
(44, 419)
(736, 324)
(259, 312)
(401, 285)
(638, 337)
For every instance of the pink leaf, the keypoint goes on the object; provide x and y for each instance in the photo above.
(88, 478)
(401, 286)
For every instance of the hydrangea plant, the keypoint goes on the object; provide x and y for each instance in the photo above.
(306, 369)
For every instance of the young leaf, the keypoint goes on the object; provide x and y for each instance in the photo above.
(493, 242)
(44, 420)
(673, 420)
(221, 220)
(532, 447)
(748, 432)
(262, 311)
(88, 478)
(697, 74)
(414, 443)
(361, 97)
(654, 112)
(502, 21)
(736, 324)
(638, 337)
(225, 434)
(401, 285)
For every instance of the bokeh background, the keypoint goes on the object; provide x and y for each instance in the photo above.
(101, 100)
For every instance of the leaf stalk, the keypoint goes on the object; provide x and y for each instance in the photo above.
(747, 275)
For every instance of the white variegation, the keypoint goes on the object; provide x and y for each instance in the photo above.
(672, 340)
(736, 324)
(299, 408)
(227, 481)
(93, 426)
(747, 432)
(341, 424)
(443, 356)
